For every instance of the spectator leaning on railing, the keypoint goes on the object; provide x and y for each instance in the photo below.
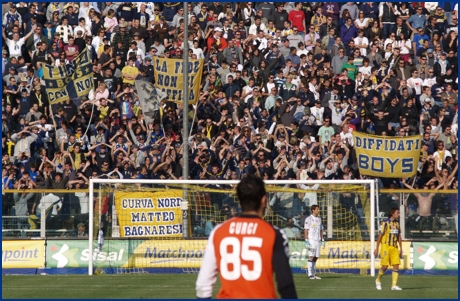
(283, 88)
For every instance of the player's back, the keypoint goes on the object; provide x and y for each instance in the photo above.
(244, 248)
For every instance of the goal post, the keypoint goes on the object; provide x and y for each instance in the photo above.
(327, 196)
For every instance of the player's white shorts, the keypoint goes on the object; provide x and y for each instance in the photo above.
(314, 248)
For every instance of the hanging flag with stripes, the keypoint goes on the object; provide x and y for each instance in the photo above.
(72, 80)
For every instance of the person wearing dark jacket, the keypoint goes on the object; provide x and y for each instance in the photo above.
(275, 61)
(287, 111)
(280, 16)
(127, 11)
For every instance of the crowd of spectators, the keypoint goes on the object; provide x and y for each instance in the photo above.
(283, 88)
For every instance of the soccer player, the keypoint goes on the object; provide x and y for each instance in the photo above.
(389, 239)
(246, 251)
(313, 239)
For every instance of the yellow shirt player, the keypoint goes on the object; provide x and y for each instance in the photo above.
(389, 239)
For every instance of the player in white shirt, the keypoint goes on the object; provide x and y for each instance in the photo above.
(313, 239)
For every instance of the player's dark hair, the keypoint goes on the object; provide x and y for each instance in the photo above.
(250, 192)
(392, 211)
(313, 207)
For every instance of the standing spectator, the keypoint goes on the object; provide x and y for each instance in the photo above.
(348, 31)
(297, 18)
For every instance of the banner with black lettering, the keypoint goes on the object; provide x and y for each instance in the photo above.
(149, 214)
(388, 157)
(150, 98)
(169, 77)
(69, 81)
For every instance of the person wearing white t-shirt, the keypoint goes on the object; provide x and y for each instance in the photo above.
(197, 50)
(313, 239)
(258, 25)
(317, 111)
(361, 42)
(366, 68)
(15, 44)
(346, 135)
(441, 154)
(248, 90)
(415, 82)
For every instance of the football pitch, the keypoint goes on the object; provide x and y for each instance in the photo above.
(163, 286)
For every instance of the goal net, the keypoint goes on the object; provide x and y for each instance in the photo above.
(145, 226)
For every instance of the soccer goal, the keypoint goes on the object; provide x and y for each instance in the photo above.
(145, 226)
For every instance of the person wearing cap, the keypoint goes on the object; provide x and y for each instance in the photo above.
(441, 66)
(122, 36)
(11, 16)
(161, 28)
(48, 31)
(216, 38)
(81, 230)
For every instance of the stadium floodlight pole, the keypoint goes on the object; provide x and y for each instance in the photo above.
(185, 165)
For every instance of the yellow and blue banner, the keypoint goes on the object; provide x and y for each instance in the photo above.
(149, 214)
(69, 81)
(169, 77)
(388, 157)
(23, 254)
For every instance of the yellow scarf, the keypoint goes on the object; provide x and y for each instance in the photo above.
(208, 131)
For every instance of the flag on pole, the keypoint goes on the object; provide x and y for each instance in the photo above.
(72, 80)
(169, 78)
(150, 98)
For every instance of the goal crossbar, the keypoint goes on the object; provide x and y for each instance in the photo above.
(372, 196)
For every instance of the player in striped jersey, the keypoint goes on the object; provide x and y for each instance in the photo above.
(389, 239)
(313, 239)
(246, 251)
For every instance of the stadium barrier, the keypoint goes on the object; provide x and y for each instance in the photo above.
(72, 256)
(23, 254)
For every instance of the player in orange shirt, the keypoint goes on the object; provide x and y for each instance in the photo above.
(246, 251)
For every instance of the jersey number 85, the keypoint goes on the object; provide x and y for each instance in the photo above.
(240, 251)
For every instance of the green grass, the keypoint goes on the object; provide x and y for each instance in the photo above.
(155, 286)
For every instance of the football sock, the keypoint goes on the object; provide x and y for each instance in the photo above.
(380, 275)
(313, 268)
(310, 268)
(394, 277)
